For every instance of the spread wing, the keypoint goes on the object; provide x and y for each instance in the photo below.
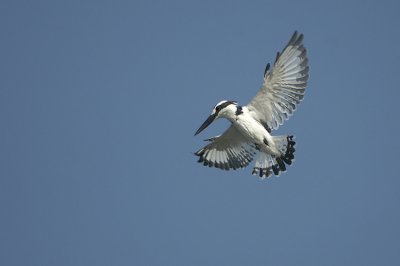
(228, 151)
(283, 86)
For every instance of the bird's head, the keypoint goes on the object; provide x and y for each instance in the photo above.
(226, 109)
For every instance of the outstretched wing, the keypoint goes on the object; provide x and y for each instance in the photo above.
(283, 86)
(228, 151)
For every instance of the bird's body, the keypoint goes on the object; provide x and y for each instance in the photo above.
(249, 136)
(253, 131)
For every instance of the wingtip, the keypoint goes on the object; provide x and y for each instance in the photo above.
(299, 40)
(267, 67)
(296, 39)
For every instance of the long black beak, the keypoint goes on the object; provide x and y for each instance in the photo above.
(209, 120)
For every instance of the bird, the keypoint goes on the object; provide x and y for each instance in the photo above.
(249, 136)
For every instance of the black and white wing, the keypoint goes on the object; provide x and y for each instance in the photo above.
(228, 151)
(283, 87)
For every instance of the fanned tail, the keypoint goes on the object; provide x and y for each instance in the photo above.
(267, 164)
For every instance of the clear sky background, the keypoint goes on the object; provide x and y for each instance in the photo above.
(99, 101)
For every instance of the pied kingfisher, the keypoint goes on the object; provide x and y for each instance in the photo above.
(249, 136)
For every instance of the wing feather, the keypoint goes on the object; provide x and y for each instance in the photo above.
(228, 151)
(284, 85)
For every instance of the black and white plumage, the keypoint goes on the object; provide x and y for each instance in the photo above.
(249, 136)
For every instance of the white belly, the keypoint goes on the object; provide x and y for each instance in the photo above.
(251, 129)
(254, 132)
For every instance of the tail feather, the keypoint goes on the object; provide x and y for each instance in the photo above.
(267, 164)
(287, 149)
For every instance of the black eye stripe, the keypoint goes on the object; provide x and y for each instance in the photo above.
(223, 105)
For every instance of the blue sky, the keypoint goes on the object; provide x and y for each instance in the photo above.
(99, 101)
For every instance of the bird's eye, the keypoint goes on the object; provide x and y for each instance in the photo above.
(218, 108)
